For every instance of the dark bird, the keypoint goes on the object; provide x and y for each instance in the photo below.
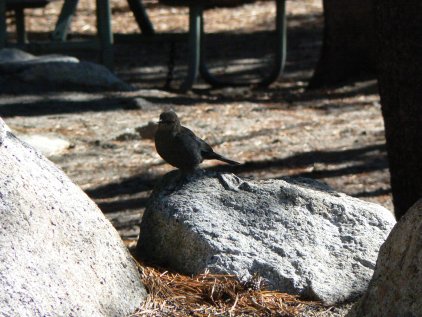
(180, 147)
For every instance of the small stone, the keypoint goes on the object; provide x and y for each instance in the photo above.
(147, 131)
(49, 145)
(128, 135)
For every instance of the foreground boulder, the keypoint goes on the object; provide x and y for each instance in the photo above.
(396, 287)
(59, 256)
(302, 237)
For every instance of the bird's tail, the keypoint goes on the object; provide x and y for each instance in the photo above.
(224, 159)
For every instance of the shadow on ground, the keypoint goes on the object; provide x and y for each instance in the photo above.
(347, 162)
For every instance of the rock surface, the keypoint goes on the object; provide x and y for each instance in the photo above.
(301, 236)
(13, 60)
(59, 256)
(396, 287)
(20, 70)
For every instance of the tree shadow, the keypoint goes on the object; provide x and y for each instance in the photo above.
(371, 156)
(124, 204)
(128, 186)
(360, 160)
(32, 105)
(373, 193)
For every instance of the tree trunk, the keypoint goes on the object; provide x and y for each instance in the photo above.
(348, 49)
(399, 33)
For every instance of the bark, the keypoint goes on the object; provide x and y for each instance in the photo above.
(348, 43)
(399, 34)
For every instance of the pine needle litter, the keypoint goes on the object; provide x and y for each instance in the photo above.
(173, 294)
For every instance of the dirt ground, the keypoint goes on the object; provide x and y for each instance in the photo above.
(334, 135)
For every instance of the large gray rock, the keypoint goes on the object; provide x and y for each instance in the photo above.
(13, 60)
(302, 237)
(21, 69)
(396, 287)
(59, 256)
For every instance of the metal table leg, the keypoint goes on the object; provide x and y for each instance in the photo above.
(65, 18)
(20, 26)
(3, 26)
(141, 16)
(104, 32)
(280, 55)
(195, 27)
(281, 49)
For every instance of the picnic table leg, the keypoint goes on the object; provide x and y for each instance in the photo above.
(281, 49)
(280, 55)
(141, 16)
(104, 32)
(195, 27)
(3, 27)
(20, 26)
(65, 18)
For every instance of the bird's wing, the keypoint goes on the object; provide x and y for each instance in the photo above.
(188, 140)
(199, 146)
(187, 132)
(205, 147)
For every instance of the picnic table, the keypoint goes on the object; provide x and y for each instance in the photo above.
(196, 60)
(104, 39)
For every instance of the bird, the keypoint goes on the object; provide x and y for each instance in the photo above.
(180, 147)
